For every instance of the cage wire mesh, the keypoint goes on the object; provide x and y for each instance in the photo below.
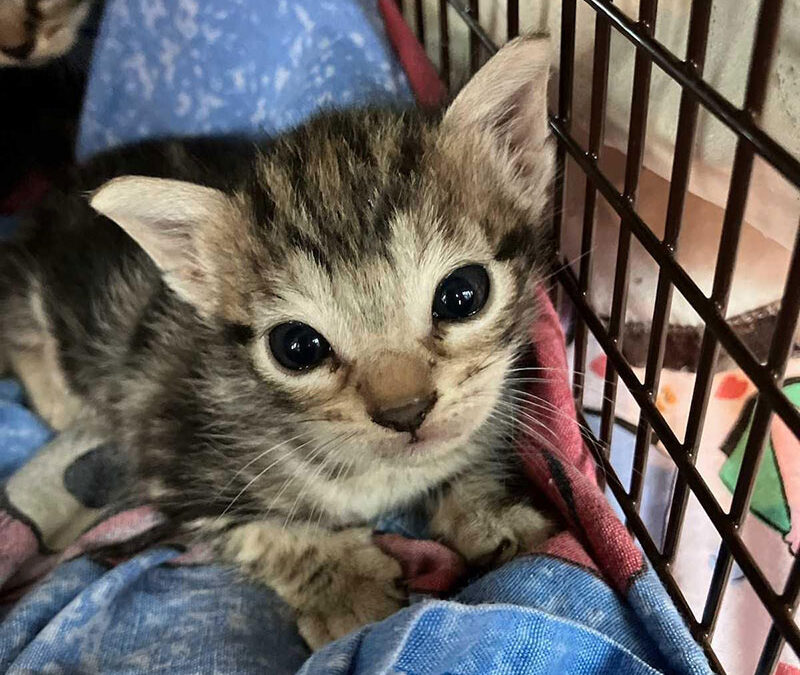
(459, 36)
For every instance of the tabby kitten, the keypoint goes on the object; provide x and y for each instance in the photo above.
(294, 338)
(45, 49)
(33, 32)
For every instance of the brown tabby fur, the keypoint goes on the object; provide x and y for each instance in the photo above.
(154, 333)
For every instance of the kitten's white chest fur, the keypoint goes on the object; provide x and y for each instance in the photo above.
(363, 497)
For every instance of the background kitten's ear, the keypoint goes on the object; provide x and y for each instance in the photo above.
(503, 110)
(175, 223)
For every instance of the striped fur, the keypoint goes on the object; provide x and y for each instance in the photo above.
(348, 224)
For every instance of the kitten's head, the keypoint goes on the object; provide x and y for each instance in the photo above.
(378, 267)
(33, 32)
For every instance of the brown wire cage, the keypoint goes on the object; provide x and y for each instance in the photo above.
(717, 332)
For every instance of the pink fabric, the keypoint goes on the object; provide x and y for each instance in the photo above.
(428, 567)
(118, 527)
(425, 83)
(571, 483)
(566, 547)
(18, 545)
(548, 342)
(23, 562)
(589, 515)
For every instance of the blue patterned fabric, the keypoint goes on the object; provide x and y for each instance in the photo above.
(164, 67)
(535, 616)
(146, 616)
(21, 432)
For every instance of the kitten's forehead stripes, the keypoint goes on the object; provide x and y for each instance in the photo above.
(341, 196)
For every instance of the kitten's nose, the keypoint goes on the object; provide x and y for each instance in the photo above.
(397, 390)
(406, 417)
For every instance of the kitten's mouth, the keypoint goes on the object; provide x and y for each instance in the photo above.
(417, 445)
(427, 439)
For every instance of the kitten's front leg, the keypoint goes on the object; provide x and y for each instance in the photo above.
(336, 581)
(480, 519)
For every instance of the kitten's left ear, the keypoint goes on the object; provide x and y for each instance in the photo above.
(184, 228)
(501, 113)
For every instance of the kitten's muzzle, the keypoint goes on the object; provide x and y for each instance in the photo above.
(408, 416)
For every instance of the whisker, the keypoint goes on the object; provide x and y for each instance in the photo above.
(257, 476)
(294, 474)
(533, 380)
(512, 420)
(554, 449)
(512, 412)
(307, 481)
(260, 456)
(595, 446)
(542, 404)
(566, 264)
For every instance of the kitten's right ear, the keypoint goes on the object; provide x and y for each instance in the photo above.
(177, 224)
(501, 114)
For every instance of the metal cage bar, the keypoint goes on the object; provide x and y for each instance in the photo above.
(637, 129)
(767, 377)
(474, 45)
(597, 116)
(697, 42)
(567, 72)
(444, 44)
(419, 12)
(755, 94)
(775, 641)
(512, 19)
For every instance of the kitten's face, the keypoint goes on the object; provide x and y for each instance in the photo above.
(35, 31)
(391, 290)
(379, 266)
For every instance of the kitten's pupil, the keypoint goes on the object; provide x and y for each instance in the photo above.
(461, 294)
(458, 298)
(297, 346)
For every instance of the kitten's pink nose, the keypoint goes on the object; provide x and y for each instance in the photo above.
(397, 390)
(406, 417)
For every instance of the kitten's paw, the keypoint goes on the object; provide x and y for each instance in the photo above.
(361, 586)
(488, 538)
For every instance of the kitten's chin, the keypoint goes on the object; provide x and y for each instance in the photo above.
(433, 442)
(443, 437)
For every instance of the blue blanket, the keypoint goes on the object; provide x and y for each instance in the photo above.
(186, 67)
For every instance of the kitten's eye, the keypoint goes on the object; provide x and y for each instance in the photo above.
(461, 294)
(297, 346)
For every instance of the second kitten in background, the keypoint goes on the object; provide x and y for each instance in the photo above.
(33, 32)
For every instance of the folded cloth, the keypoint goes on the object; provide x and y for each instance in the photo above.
(586, 601)
(517, 619)
(146, 615)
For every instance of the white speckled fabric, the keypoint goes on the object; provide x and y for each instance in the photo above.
(232, 66)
